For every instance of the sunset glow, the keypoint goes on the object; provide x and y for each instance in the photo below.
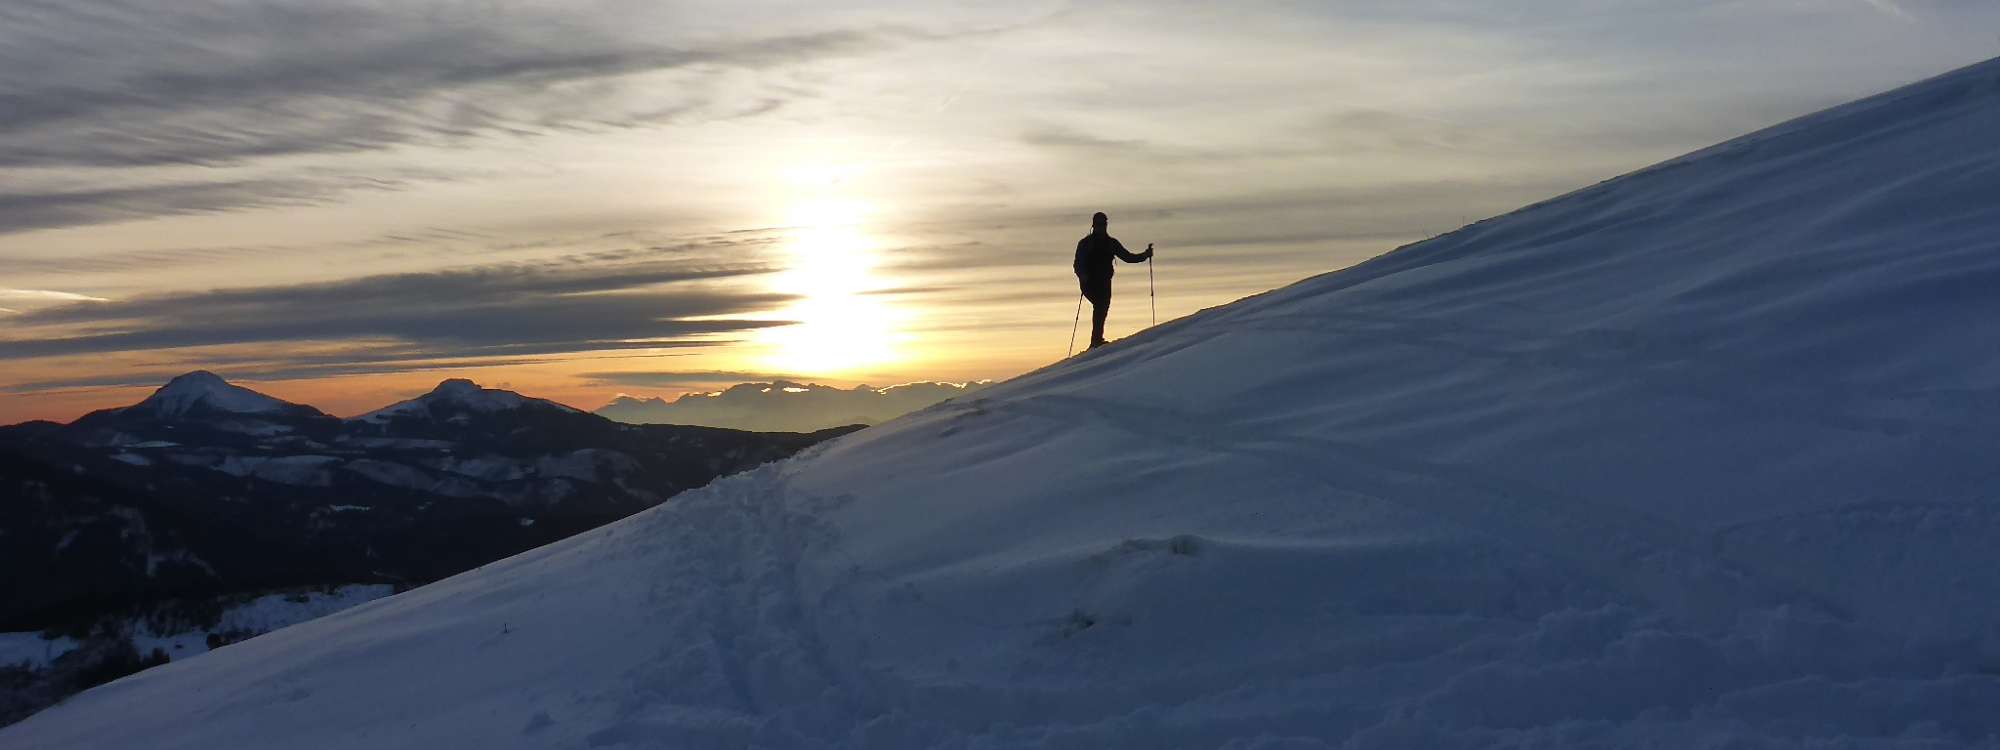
(843, 321)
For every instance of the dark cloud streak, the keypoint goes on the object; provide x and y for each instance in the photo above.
(27, 211)
(670, 378)
(290, 370)
(225, 83)
(121, 86)
(501, 311)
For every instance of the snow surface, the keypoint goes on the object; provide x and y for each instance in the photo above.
(304, 471)
(261, 615)
(1700, 457)
(30, 649)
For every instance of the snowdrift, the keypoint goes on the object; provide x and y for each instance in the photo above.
(1701, 456)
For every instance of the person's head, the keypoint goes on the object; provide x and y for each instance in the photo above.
(1098, 221)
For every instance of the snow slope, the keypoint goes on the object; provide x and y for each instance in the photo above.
(1698, 457)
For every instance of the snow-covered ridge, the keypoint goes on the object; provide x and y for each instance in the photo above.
(204, 388)
(233, 408)
(458, 394)
(1698, 457)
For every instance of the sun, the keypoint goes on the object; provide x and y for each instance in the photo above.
(842, 322)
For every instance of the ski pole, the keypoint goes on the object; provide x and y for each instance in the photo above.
(1072, 326)
(1150, 296)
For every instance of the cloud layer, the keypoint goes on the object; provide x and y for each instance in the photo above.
(418, 319)
(131, 91)
(218, 83)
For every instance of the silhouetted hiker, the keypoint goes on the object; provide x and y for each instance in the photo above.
(1093, 271)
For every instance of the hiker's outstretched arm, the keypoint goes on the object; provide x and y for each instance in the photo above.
(1128, 256)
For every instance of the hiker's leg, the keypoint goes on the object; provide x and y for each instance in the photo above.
(1100, 306)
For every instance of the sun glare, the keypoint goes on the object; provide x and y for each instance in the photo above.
(842, 324)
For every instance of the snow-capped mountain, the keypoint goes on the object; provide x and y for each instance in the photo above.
(206, 486)
(203, 391)
(202, 402)
(457, 398)
(785, 405)
(1697, 457)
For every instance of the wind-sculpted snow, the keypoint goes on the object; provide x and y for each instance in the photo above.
(1700, 457)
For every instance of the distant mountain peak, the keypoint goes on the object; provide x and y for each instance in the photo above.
(784, 405)
(460, 395)
(197, 379)
(463, 392)
(202, 388)
(457, 386)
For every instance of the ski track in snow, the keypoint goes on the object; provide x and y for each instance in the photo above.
(1700, 457)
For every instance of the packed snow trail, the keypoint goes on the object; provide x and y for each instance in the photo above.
(1702, 456)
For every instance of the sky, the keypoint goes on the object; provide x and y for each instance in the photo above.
(343, 203)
